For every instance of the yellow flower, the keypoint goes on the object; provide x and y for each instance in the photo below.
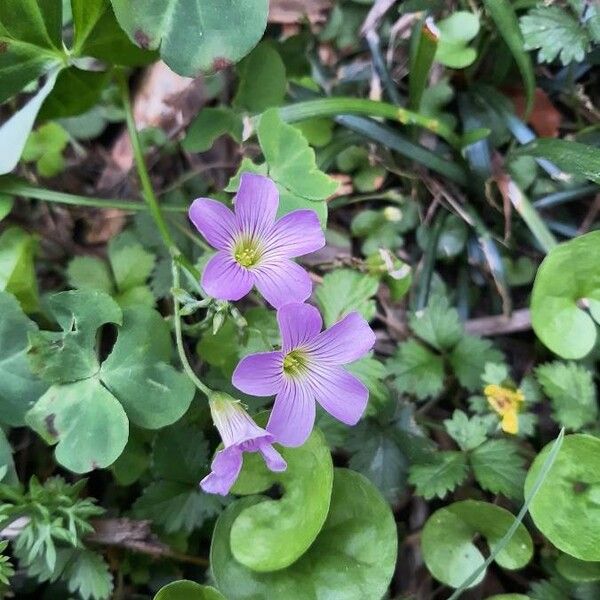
(507, 403)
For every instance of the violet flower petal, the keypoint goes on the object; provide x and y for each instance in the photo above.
(256, 204)
(224, 278)
(297, 233)
(298, 324)
(293, 414)
(273, 459)
(346, 341)
(340, 393)
(225, 468)
(259, 374)
(282, 281)
(214, 221)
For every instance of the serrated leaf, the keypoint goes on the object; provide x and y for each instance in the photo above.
(210, 124)
(417, 370)
(88, 273)
(291, 160)
(194, 36)
(469, 358)
(499, 468)
(556, 33)
(372, 373)
(571, 389)
(19, 387)
(447, 470)
(467, 432)
(344, 291)
(437, 324)
(88, 575)
(176, 506)
(130, 263)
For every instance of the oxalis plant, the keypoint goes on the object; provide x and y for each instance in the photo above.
(344, 344)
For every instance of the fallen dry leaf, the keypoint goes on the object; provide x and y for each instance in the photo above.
(544, 118)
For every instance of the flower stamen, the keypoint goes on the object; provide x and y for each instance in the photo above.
(247, 253)
(295, 363)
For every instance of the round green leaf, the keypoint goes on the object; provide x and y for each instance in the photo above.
(86, 420)
(273, 534)
(566, 297)
(447, 541)
(566, 508)
(194, 36)
(355, 553)
(188, 590)
(577, 570)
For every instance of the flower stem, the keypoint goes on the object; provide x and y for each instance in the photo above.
(147, 190)
(179, 337)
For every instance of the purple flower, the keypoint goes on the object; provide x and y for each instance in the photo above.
(253, 248)
(240, 434)
(308, 368)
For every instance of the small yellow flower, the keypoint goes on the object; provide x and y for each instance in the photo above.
(507, 403)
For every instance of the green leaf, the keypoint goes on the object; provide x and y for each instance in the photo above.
(273, 534)
(566, 508)
(577, 570)
(499, 468)
(188, 590)
(17, 270)
(467, 433)
(197, 36)
(571, 389)
(70, 355)
(87, 273)
(45, 147)
(503, 15)
(291, 160)
(133, 462)
(447, 470)
(447, 541)
(75, 92)
(30, 38)
(417, 371)
(15, 131)
(98, 34)
(571, 157)
(176, 507)
(565, 300)
(437, 324)
(8, 475)
(87, 422)
(153, 393)
(88, 576)
(468, 359)
(455, 33)
(19, 388)
(288, 201)
(556, 33)
(6, 205)
(262, 79)
(452, 238)
(344, 291)
(130, 263)
(372, 373)
(355, 553)
(210, 124)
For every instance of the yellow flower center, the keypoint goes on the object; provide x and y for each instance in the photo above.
(507, 403)
(247, 253)
(295, 363)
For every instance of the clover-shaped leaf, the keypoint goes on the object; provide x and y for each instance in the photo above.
(566, 508)
(354, 554)
(19, 388)
(86, 411)
(188, 590)
(456, 31)
(566, 297)
(447, 541)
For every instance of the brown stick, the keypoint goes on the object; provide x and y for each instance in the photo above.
(519, 320)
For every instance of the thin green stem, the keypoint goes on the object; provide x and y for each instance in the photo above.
(142, 170)
(513, 528)
(332, 107)
(179, 337)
